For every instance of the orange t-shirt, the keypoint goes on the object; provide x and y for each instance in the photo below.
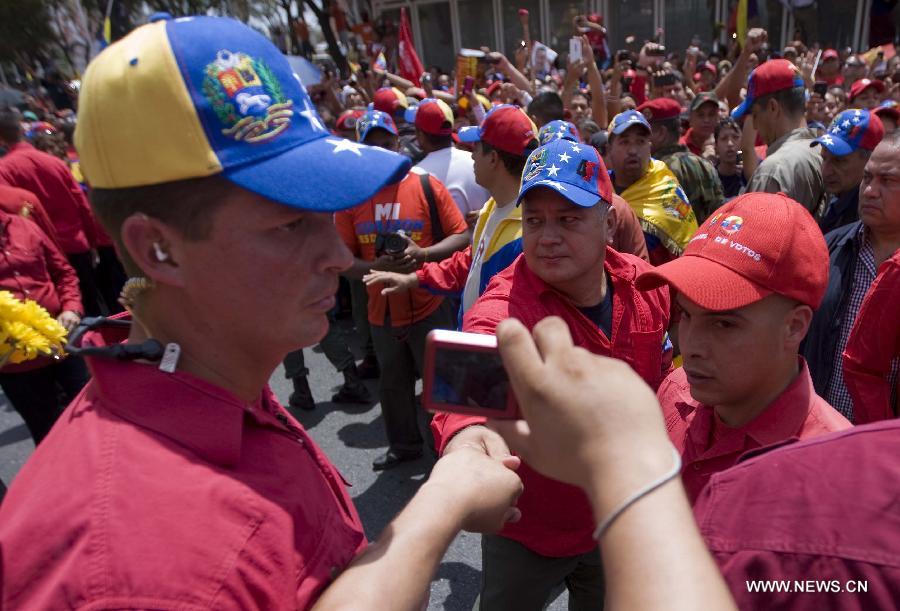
(401, 206)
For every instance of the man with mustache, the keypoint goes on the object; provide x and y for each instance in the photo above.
(745, 290)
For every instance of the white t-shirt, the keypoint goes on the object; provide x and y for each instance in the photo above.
(456, 170)
(473, 281)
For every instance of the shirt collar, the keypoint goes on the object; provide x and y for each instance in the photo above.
(617, 267)
(192, 412)
(801, 133)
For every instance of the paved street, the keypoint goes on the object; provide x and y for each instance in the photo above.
(352, 436)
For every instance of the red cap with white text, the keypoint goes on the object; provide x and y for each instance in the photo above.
(754, 246)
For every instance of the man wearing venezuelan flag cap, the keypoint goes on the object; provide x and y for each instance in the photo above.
(650, 188)
(176, 480)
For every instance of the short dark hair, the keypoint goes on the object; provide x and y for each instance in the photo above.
(793, 100)
(547, 106)
(436, 141)
(186, 205)
(672, 126)
(727, 123)
(514, 164)
(10, 125)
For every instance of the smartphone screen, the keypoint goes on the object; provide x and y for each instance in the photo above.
(468, 84)
(474, 379)
(575, 49)
(464, 373)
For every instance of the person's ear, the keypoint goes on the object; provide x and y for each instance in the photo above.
(796, 325)
(155, 248)
(611, 218)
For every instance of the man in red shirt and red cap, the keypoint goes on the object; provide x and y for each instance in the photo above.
(567, 271)
(746, 289)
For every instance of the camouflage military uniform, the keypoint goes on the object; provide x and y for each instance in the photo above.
(697, 176)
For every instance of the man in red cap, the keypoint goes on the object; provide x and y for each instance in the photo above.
(452, 166)
(566, 270)
(746, 289)
(776, 98)
(830, 68)
(866, 93)
(696, 175)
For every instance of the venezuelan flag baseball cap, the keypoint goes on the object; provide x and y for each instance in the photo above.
(505, 127)
(774, 75)
(575, 171)
(432, 116)
(627, 119)
(851, 130)
(755, 245)
(204, 96)
(374, 119)
(558, 130)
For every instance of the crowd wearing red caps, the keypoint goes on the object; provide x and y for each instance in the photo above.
(688, 261)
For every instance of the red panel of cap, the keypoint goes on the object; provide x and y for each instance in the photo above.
(755, 245)
(660, 109)
(508, 129)
(774, 75)
(387, 100)
(434, 117)
(863, 84)
(830, 54)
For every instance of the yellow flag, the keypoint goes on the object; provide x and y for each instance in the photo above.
(742, 21)
(107, 30)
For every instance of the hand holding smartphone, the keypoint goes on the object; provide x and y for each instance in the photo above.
(575, 52)
(464, 375)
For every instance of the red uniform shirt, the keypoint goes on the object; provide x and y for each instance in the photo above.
(50, 179)
(557, 519)
(822, 512)
(873, 344)
(708, 446)
(401, 206)
(163, 491)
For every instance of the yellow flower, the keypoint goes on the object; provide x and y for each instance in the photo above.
(27, 330)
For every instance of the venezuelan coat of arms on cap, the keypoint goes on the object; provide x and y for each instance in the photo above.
(246, 97)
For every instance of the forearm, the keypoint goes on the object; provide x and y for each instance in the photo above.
(398, 81)
(394, 573)
(730, 87)
(569, 88)
(598, 96)
(658, 536)
(448, 246)
(515, 77)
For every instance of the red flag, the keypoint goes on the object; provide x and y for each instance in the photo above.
(410, 67)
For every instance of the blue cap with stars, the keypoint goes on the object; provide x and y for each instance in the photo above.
(851, 130)
(575, 171)
(558, 130)
(211, 96)
(629, 118)
(374, 119)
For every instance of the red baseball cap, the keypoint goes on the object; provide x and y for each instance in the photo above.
(389, 100)
(432, 116)
(347, 120)
(830, 54)
(505, 127)
(864, 83)
(774, 75)
(709, 66)
(660, 109)
(755, 245)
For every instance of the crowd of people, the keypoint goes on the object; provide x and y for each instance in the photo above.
(691, 262)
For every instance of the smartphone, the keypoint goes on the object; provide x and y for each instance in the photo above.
(575, 49)
(820, 87)
(464, 375)
(468, 84)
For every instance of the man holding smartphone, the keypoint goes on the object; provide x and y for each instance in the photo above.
(566, 270)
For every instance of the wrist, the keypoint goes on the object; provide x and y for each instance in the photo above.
(611, 481)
